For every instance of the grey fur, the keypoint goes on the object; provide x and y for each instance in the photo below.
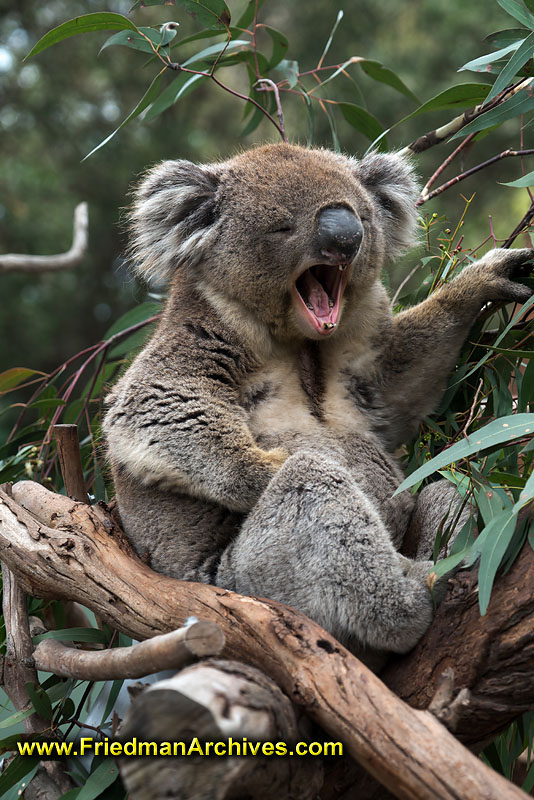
(252, 452)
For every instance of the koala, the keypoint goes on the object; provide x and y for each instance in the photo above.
(252, 441)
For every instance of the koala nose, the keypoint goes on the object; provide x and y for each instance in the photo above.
(339, 233)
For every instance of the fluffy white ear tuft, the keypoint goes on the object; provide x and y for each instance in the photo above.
(172, 217)
(390, 178)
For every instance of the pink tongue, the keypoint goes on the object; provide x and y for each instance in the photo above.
(315, 295)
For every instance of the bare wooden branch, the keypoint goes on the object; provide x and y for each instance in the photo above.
(51, 780)
(70, 461)
(83, 558)
(216, 700)
(17, 262)
(446, 131)
(166, 651)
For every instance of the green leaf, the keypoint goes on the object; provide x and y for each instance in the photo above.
(103, 776)
(138, 40)
(102, 21)
(379, 72)
(73, 635)
(332, 34)
(481, 64)
(290, 71)
(522, 183)
(15, 376)
(148, 98)
(526, 390)
(506, 37)
(362, 120)
(215, 49)
(518, 10)
(207, 12)
(14, 719)
(39, 700)
(463, 95)
(519, 58)
(280, 45)
(497, 536)
(497, 432)
(257, 117)
(182, 85)
(518, 104)
(16, 771)
(67, 709)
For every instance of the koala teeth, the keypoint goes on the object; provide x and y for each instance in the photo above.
(342, 267)
(327, 326)
(331, 304)
(309, 305)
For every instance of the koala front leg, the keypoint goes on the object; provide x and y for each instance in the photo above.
(189, 441)
(422, 346)
(315, 542)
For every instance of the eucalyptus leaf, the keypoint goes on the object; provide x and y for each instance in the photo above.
(497, 536)
(519, 58)
(522, 183)
(518, 10)
(290, 70)
(480, 64)
(101, 21)
(362, 120)
(497, 432)
(103, 776)
(182, 85)
(148, 98)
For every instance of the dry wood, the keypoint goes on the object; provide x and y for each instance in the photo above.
(51, 780)
(16, 262)
(75, 552)
(166, 651)
(214, 701)
(68, 450)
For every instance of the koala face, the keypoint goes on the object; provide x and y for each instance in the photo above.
(294, 235)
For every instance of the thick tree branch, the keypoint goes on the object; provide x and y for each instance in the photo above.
(72, 551)
(166, 651)
(17, 262)
(215, 701)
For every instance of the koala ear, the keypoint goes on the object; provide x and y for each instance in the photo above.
(391, 181)
(172, 218)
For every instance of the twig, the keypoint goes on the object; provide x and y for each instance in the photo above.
(279, 112)
(442, 167)
(16, 262)
(167, 651)
(521, 226)
(439, 135)
(453, 181)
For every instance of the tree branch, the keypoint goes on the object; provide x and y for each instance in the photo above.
(439, 135)
(166, 651)
(16, 262)
(51, 780)
(75, 552)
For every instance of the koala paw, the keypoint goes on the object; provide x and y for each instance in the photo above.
(500, 269)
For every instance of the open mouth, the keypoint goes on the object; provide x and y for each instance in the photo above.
(317, 295)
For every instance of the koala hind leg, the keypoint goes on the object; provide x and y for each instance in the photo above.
(314, 541)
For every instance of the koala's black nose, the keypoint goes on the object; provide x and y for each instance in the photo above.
(339, 233)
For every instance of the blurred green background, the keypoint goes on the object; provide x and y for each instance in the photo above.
(56, 107)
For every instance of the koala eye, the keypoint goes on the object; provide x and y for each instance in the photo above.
(286, 228)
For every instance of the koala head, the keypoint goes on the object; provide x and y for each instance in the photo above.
(294, 235)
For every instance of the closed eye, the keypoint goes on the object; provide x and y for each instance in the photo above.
(283, 229)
